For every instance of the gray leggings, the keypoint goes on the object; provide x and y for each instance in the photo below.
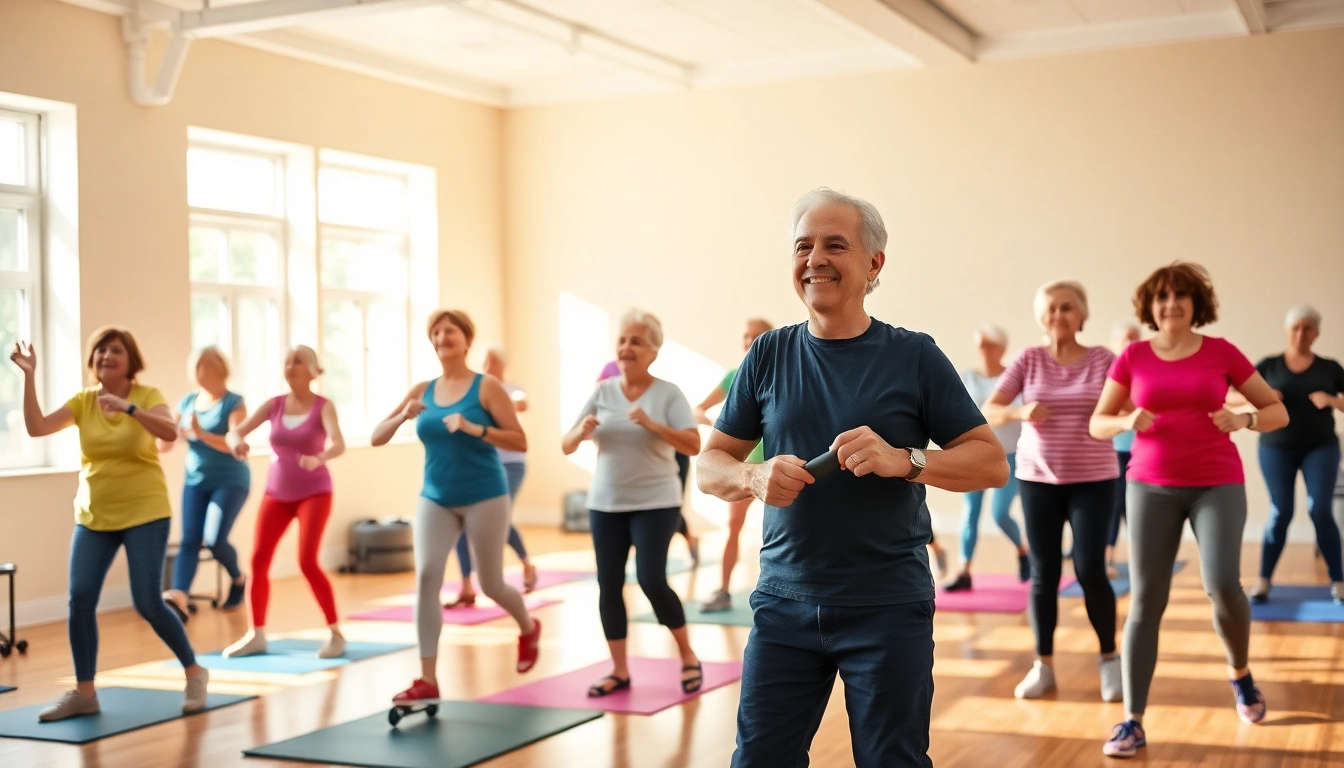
(1157, 514)
(436, 530)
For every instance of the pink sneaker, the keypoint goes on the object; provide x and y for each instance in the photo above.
(1251, 706)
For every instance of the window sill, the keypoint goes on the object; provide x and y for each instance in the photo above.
(37, 471)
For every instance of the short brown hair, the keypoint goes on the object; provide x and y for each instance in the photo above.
(210, 354)
(456, 317)
(1184, 278)
(107, 334)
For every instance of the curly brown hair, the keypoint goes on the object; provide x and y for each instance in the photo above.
(135, 363)
(1184, 278)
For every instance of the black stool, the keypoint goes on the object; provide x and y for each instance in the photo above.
(7, 642)
(206, 557)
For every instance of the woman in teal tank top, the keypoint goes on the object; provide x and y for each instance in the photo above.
(462, 417)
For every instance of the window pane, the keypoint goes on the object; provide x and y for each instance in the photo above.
(12, 153)
(365, 265)
(13, 240)
(254, 257)
(15, 445)
(233, 181)
(387, 355)
(260, 356)
(362, 199)
(343, 359)
(208, 247)
(210, 322)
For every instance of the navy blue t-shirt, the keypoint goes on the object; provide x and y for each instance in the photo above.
(846, 540)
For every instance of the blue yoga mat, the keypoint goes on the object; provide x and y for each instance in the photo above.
(464, 733)
(1294, 603)
(296, 657)
(124, 709)
(1120, 584)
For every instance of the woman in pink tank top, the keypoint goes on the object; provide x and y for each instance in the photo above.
(305, 435)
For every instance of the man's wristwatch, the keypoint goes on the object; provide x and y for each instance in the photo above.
(917, 463)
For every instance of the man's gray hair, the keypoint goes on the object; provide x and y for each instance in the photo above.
(872, 230)
(1302, 312)
(993, 333)
(650, 322)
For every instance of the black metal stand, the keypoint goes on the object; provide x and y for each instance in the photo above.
(8, 642)
(207, 556)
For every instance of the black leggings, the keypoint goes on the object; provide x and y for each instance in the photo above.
(649, 531)
(1118, 508)
(1086, 507)
(683, 471)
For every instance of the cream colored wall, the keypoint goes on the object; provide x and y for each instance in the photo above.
(992, 179)
(132, 175)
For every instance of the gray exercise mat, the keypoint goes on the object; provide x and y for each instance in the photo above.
(740, 615)
(124, 709)
(464, 733)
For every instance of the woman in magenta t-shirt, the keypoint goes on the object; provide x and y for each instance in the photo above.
(1183, 465)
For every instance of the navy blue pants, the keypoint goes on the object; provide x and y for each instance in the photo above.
(1318, 467)
(884, 656)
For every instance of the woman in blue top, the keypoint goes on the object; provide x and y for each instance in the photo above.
(462, 417)
(216, 483)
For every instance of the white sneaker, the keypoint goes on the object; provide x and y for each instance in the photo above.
(334, 648)
(1111, 687)
(194, 701)
(252, 644)
(1038, 682)
(72, 704)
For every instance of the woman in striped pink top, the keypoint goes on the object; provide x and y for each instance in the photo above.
(1064, 475)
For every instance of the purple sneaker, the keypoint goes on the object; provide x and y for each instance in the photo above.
(1251, 706)
(1126, 738)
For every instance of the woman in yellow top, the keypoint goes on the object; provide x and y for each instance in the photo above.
(122, 501)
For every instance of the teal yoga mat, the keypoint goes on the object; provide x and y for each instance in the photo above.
(739, 616)
(296, 657)
(124, 709)
(464, 733)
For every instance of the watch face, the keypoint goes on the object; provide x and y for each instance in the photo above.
(917, 457)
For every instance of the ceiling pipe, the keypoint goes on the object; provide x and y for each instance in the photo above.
(135, 30)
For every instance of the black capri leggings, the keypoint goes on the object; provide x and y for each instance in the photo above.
(1086, 507)
(650, 532)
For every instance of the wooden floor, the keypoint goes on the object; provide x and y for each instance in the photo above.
(976, 720)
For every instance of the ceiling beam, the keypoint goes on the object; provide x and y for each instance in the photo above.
(267, 15)
(917, 27)
(1253, 13)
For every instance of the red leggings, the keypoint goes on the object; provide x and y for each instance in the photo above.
(272, 520)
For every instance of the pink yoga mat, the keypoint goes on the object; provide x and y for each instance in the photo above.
(545, 578)
(655, 686)
(460, 616)
(992, 593)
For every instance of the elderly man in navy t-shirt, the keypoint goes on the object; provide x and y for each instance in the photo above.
(845, 584)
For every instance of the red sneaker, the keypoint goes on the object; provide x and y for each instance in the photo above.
(528, 647)
(418, 692)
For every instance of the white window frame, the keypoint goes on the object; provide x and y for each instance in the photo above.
(50, 280)
(419, 243)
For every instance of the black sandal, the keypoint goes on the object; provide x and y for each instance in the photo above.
(598, 690)
(692, 684)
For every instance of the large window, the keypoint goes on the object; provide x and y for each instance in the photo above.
(21, 277)
(237, 262)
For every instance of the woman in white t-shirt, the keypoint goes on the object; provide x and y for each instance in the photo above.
(639, 423)
(991, 342)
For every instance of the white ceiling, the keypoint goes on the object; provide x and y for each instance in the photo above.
(520, 52)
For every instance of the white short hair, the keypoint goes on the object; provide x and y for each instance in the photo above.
(499, 353)
(1042, 299)
(1302, 312)
(993, 333)
(648, 320)
(872, 231)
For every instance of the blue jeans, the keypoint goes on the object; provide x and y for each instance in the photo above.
(999, 508)
(1318, 467)
(514, 471)
(91, 554)
(212, 511)
(884, 655)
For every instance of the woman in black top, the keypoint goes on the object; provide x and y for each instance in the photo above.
(1310, 387)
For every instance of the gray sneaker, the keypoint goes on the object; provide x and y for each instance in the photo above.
(72, 704)
(1111, 687)
(721, 601)
(940, 560)
(194, 701)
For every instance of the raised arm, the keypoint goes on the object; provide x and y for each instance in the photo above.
(236, 439)
(716, 396)
(410, 406)
(37, 424)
